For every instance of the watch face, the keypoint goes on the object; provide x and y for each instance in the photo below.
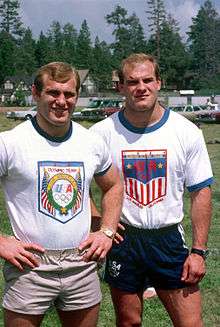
(108, 232)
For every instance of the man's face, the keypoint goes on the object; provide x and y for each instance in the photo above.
(140, 87)
(56, 102)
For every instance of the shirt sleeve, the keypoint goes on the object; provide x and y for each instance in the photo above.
(105, 161)
(198, 166)
(3, 157)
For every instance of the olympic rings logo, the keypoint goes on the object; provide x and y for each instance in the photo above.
(64, 198)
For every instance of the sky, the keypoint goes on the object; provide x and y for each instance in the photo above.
(39, 14)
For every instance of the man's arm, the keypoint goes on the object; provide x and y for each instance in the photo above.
(97, 220)
(201, 211)
(98, 244)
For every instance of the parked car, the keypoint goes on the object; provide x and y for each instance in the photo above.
(112, 107)
(106, 108)
(211, 116)
(22, 114)
(100, 102)
(191, 112)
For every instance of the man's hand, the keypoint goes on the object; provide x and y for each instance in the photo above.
(118, 238)
(18, 252)
(96, 246)
(194, 269)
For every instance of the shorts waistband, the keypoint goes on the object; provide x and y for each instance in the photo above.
(58, 252)
(161, 230)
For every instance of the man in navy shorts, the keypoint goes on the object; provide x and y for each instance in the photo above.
(159, 154)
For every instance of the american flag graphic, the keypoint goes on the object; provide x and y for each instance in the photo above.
(145, 174)
(79, 191)
(44, 198)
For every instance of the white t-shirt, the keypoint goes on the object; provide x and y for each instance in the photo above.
(156, 164)
(46, 183)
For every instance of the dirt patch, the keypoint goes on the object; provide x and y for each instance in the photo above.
(5, 109)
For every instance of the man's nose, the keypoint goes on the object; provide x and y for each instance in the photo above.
(141, 85)
(61, 100)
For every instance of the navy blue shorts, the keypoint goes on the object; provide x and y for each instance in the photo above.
(147, 258)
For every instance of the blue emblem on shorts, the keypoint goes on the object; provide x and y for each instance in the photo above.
(145, 174)
(61, 187)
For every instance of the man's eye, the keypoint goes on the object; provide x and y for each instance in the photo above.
(53, 93)
(132, 82)
(69, 95)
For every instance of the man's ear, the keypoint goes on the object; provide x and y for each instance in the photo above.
(35, 92)
(158, 84)
(121, 88)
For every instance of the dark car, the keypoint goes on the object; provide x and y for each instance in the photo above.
(211, 116)
(106, 108)
(112, 107)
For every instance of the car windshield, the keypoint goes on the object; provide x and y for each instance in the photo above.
(94, 103)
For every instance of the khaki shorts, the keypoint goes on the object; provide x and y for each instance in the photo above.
(63, 279)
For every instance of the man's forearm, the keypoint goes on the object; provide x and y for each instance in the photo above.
(112, 206)
(201, 211)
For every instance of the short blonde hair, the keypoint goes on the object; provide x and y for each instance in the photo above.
(57, 71)
(138, 58)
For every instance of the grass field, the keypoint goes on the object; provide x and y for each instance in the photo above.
(154, 313)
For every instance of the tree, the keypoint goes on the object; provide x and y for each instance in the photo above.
(7, 55)
(42, 50)
(25, 63)
(84, 47)
(10, 22)
(128, 32)
(102, 65)
(55, 42)
(204, 45)
(69, 43)
(157, 16)
(173, 56)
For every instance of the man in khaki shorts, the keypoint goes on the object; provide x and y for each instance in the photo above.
(46, 167)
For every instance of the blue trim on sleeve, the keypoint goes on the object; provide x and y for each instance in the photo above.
(199, 186)
(103, 172)
(144, 130)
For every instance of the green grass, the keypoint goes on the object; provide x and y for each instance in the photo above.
(154, 313)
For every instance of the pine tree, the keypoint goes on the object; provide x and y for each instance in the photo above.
(7, 56)
(69, 43)
(84, 47)
(25, 63)
(42, 50)
(157, 16)
(102, 65)
(128, 32)
(204, 45)
(10, 20)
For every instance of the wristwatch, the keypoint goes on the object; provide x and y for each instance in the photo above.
(108, 232)
(202, 253)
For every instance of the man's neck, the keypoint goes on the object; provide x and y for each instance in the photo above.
(52, 130)
(143, 119)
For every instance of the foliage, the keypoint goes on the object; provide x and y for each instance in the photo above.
(102, 64)
(194, 64)
(128, 32)
(7, 55)
(204, 45)
(11, 22)
(157, 16)
(84, 47)
(25, 63)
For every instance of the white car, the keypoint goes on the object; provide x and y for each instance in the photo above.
(22, 114)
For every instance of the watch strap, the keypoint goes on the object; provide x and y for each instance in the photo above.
(202, 253)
